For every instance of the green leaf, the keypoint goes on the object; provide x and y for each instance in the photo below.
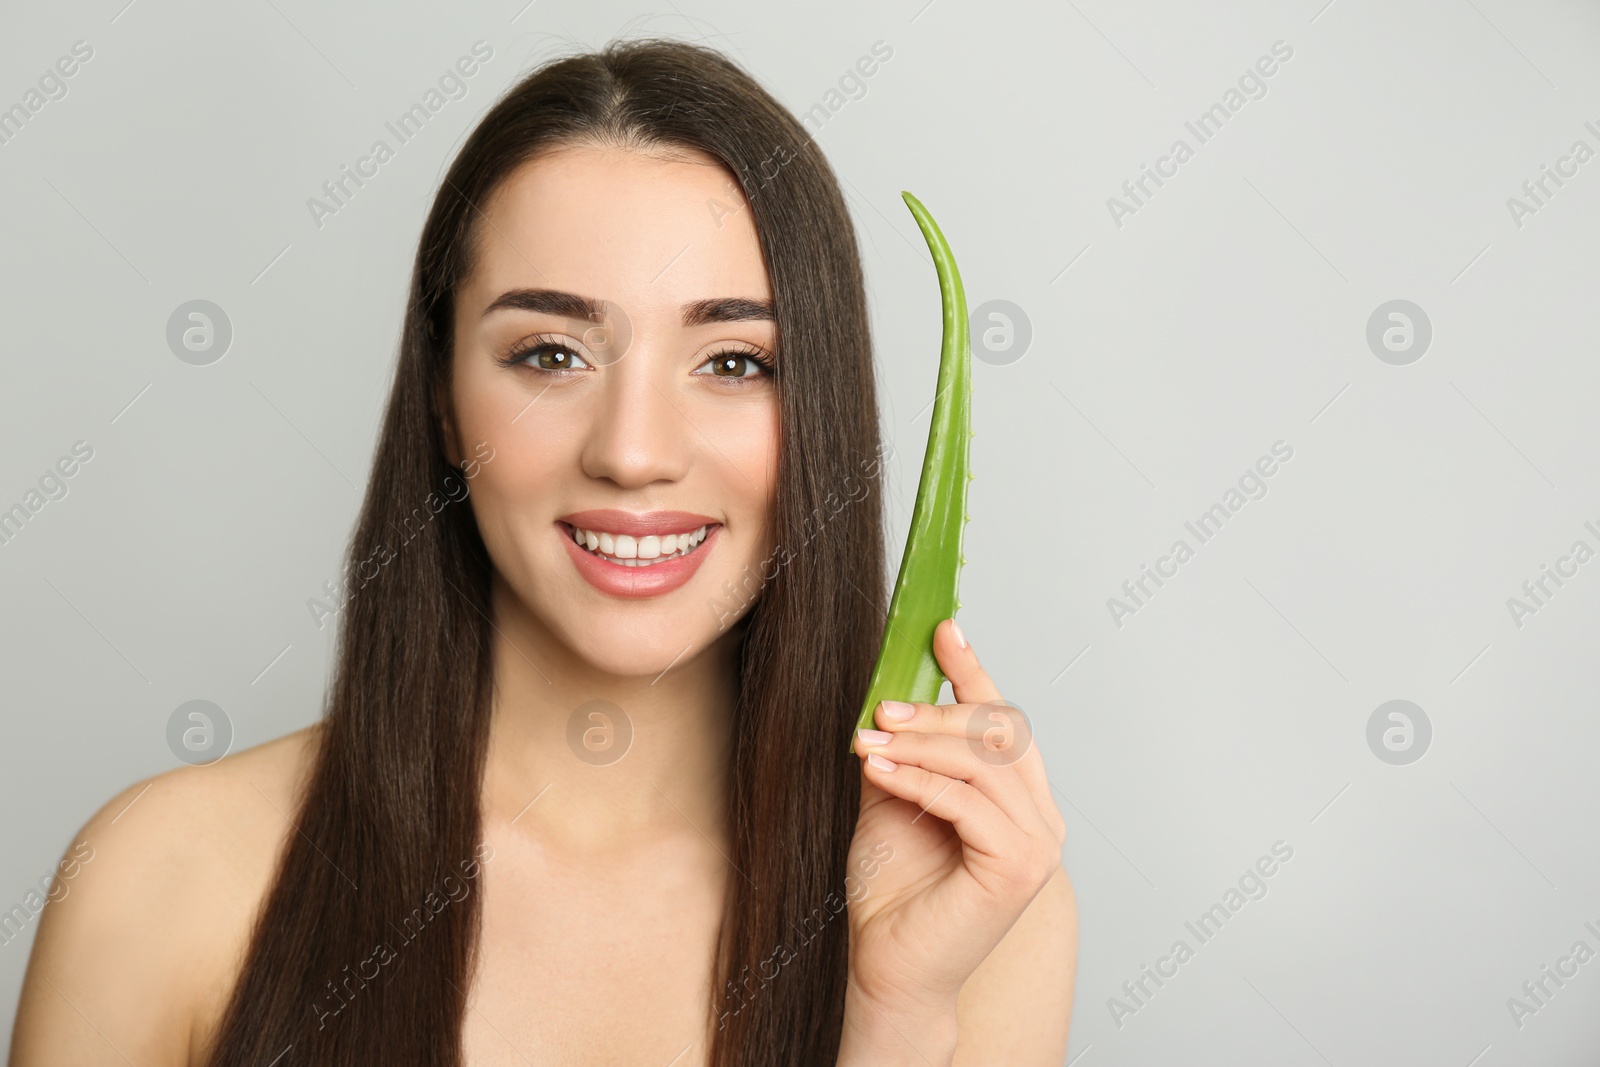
(925, 593)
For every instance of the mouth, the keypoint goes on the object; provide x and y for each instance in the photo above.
(640, 553)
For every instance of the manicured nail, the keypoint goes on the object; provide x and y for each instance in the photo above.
(874, 737)
(897, 710)
(880, 763)
(961, 638)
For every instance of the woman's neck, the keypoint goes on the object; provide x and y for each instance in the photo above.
(594, 763)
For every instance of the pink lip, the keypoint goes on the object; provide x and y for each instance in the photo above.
(658, 579)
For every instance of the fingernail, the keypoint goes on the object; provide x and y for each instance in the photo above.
(897, 710)
(880, 763)
(874, 737)
(961, 638)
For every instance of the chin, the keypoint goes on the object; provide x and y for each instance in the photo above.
(626, 653)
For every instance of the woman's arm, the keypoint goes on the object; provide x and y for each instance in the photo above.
(1015, 1009)
(152, 910)
(100, 983)
(963, 945)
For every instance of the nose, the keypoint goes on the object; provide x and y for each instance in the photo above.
(638, 435)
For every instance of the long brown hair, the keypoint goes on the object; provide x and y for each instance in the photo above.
(391, 817)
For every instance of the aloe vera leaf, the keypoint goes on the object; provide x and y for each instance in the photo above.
(925, 593)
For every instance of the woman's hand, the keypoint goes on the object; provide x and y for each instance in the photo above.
(957, 834)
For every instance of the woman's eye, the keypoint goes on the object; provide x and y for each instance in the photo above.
(548, 356)
(737, 365)
(556, 356)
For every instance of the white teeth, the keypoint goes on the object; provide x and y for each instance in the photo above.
(639, 551)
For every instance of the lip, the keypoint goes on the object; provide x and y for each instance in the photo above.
(637, 583)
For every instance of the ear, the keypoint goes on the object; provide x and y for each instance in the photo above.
(447, 427)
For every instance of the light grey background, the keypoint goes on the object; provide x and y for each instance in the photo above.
(1168, 353)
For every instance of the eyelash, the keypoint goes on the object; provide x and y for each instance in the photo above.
(539, 343)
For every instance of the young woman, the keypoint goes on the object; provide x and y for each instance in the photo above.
(581, 792)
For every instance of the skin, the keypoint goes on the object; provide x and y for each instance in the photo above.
(963, 946)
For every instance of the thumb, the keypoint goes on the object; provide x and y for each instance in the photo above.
(968, 680)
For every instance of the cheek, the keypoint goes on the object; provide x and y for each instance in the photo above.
(747, 435)
(511, 503)
(484, 405)
(531, 436)
(749, 438)
(768, 452)
(532, 463)
(511, 496)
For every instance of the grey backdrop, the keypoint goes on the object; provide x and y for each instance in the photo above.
(1175, 339)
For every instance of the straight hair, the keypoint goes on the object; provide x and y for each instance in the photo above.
(362, 952)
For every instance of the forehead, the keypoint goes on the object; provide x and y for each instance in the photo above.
(643, 230)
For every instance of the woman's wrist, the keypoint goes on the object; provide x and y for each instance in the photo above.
(890, 1034)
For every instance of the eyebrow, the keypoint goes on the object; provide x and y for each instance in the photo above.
(573, 306)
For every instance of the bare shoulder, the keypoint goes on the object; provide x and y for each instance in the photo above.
(151, 908)
(1017, 1006)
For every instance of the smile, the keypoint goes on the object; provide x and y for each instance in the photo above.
(633, 566)
(628, 551)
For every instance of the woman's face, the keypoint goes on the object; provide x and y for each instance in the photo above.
(644, 425)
